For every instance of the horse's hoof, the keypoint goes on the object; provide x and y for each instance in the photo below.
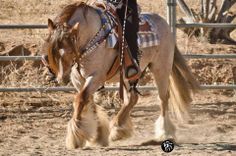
(72, 142)
(121, 132)
(74, 138)
(164, 129)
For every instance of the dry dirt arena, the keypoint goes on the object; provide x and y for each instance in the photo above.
(35, 123)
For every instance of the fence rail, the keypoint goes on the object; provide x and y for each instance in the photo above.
(210, 56)
(171, 18)
(206, 25)
(108, 88)
(23, 26)
(188, 25)
(20, 58)
(187, 56)
(57, 89)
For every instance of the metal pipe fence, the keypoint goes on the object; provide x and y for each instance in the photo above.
(206, 25)
(177, 25)
(23, 26)
(187, 56)
(107, 88)
(20, 58)
(171, 18)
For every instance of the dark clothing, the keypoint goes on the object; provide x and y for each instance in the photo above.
(132, 25)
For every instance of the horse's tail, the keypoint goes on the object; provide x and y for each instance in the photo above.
(182, 85)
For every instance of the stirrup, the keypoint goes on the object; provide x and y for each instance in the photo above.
(132, 72)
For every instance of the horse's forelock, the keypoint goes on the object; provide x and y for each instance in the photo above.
(58, 36)
(69, 10)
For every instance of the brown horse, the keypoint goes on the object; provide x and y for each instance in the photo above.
(69, 33)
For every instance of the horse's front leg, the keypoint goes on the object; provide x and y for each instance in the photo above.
(121, 126)
(89, 123)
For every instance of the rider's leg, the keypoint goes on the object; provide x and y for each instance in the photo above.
(131, 30)
(132, 27)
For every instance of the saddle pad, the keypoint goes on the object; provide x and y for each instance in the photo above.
(146, 40)
(147, 37)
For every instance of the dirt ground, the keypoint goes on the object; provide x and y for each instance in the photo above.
(35, 123)
(37, 126)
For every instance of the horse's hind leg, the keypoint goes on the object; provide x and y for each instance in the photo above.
(164, 129)
(89, 123)
(121, 126)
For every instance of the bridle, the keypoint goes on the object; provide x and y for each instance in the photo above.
(81, 52)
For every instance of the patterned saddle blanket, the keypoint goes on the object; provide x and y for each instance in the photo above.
(147, 36)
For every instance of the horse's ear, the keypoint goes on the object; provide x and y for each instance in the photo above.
(51, 25)
(75, 29)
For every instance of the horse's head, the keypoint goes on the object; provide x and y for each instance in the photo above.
(61, 50)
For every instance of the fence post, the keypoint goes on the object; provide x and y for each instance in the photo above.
(171, 15)
(234, 74)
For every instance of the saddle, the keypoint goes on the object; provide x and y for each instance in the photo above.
(127, 60)
(147, 37)
(111, 26)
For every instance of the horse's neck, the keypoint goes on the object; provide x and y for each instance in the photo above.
(89, 24)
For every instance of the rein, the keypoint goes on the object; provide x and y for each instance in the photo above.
(100, 37)
(121, 49)
(108, 23)
(96, 41)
